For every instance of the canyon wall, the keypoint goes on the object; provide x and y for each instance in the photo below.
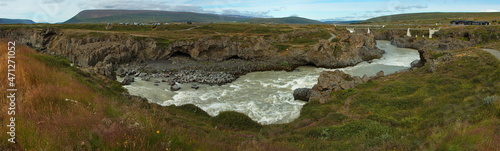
(104, 51)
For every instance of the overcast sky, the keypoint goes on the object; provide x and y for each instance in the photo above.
(61, 10)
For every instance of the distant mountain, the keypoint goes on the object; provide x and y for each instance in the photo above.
(286, 20)
(438, 17)
(343, 22)
(145, 16)
(15, 21)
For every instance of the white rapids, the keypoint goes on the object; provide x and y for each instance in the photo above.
(266, 97)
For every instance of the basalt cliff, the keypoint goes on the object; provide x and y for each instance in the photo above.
(106, 52)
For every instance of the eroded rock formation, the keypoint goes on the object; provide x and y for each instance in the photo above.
(104, 52)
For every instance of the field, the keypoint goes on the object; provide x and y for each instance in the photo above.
(298, 35)
(433, 18)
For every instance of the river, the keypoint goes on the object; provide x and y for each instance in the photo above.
(266, 97)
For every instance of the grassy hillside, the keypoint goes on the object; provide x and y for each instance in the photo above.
(432, 18)
(455, 107)
(286, 20)
(147, 16)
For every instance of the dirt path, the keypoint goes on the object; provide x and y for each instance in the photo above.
(495, 53)
(331, 38)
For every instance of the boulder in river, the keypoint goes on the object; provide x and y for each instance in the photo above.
(196, 87)
(175, 88)
(128, 80)
(302, 94)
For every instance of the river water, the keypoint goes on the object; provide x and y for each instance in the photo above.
(266, 97)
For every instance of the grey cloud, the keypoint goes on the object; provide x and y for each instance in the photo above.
(51, 1)
(381, 11)
(406, 8)
(246, 13)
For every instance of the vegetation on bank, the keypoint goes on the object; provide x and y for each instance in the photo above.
(456, 106)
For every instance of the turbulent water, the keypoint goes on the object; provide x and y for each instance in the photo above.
(266, 97)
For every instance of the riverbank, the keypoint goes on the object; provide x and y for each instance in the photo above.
(264, 96)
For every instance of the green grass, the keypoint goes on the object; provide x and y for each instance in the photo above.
(412, 106)
(432, 18)
(286, 20)
(235, 120)
(454, 107)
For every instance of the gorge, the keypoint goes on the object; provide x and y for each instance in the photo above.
(266, 96)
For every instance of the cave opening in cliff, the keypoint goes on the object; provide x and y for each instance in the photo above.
(235, 57)
(179, 54)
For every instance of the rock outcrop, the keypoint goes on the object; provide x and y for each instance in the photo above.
(354, 49)
(103, 53)
(331, 81)
(128, 80)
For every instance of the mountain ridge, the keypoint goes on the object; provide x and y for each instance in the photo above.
(15, 21)
(119, 16)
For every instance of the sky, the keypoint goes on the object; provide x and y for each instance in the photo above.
(53, 11)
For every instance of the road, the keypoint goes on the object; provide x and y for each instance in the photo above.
(495, 53)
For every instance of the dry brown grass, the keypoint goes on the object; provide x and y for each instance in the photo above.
(42, 104)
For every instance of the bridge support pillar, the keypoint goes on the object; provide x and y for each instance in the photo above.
(432, 31)
(351, 30)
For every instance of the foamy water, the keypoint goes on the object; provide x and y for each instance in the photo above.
(266, 97)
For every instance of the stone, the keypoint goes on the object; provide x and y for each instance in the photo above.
(331, 81)
(302, 94)
(365, 78)
(128, 80)
(156, 84)
(196, 87)
(416, 64)
(147, 78)
(380, 74)
(121, 72)
(175, 88)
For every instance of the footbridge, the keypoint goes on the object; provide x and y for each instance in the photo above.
(410, 32)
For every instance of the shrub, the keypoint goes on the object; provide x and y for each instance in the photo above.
(282, 47)
(490, 99)
(235, 120)
(335, 39)
(191, 109)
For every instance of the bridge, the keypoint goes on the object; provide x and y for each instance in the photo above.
(370, 28)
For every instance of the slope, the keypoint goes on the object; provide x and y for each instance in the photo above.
(432, 18)
(147, 16)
